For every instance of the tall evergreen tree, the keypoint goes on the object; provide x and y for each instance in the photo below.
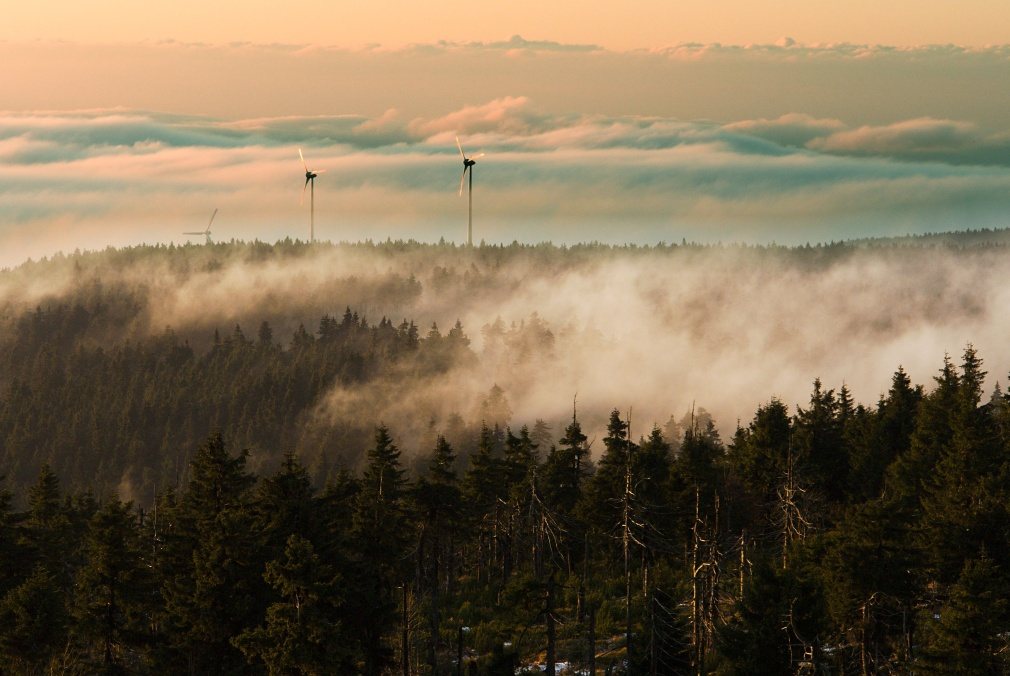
(303, 633)
(969, 633)
(439, 511)
(114, 590)
(817, 444)
(933, 433)
(47, 526)
(566, 469)
(380, 538)
(964, 505)
(217, 592)
(759, 456)
(603, 496)
(33, 624)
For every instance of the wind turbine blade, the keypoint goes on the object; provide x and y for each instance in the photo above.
(302, 198)
(212, 219)
(460, 148)
(478, 156)
(319, 171)
(302, 157)
(462, 179)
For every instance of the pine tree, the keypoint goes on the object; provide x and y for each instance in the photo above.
(520, 459)
(650, 473)
(753, 642)
(695, 465)
(380, 538)
(47, 525)
(817, 448)
(14, 556)
(759, 454)
(872, 603)
(565, 469)
(969, 633)
(775, 626)
(33, 624)
(933, 433)
(303, 633)
(114, 588)
(285, 505)
(602, 503)
(215, 592)
(963, 503)
(482, 485)
(438, 505)
(383, 481)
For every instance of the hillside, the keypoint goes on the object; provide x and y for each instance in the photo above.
(117, 364)
(251, 458)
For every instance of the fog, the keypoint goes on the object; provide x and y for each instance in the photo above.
(88, 179)
(656, 331)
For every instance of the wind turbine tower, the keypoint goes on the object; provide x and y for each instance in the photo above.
(468, 163)
(205, 233)
(310, 183)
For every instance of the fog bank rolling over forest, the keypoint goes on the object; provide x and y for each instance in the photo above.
(655, 330)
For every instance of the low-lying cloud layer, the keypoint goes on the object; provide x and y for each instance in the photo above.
(91, 178)
(657, 330)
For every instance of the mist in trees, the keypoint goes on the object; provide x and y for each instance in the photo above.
(833, 537)
(415, 459)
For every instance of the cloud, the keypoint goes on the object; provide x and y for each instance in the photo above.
(791, 129)
(923, 139)
(515, 46)
(726, 327)
(511, 115)
(921, 135)
(85, 179)
(789, 50)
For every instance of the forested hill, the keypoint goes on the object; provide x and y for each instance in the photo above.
(237, 394)
(840, 539)
(115, 365)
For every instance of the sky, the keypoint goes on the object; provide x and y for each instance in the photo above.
(629, 25)
(780, 121)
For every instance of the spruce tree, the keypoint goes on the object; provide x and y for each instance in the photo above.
(566, 469)
(33, 624)
(218, 590)
(114, 588)
(933, 433)
(602, 502)
(380, 538)
(303, 633)
(47, 526)
(968, 634)
(817, 444)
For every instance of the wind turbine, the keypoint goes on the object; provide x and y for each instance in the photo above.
(310, 177)
(468, 163)
(205, 233)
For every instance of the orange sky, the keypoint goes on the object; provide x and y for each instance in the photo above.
(625, 25)
(878, 118)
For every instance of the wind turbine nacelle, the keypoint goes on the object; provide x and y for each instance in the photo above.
(469, 162)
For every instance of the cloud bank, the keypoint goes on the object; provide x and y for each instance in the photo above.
(90, 178)
(656, 329)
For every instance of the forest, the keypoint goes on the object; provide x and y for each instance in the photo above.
(191, 491)
(837, 539)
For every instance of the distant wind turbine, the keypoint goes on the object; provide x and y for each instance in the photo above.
(468, 163)
(310, 178)
(205, 233)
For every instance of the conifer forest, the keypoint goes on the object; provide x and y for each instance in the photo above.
(244, 458)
